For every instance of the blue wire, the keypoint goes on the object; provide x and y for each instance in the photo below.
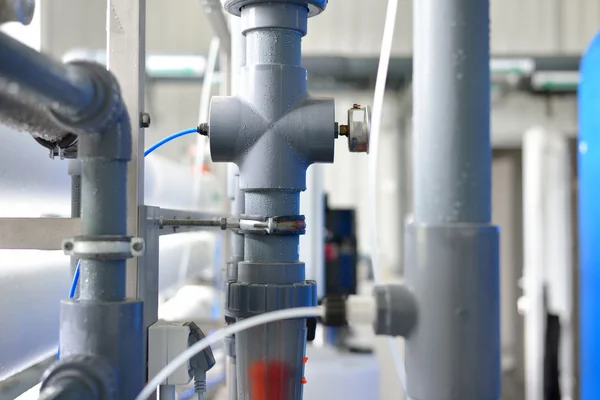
(148, 151)
(168, 139)
(71, 294)
(75, 281)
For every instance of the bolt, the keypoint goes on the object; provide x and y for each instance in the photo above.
(344, 130)
(138, 246)
(68, 246)
(356, 106)
(145, 120)
(203, 129)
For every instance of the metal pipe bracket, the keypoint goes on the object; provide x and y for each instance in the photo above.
(104, 247)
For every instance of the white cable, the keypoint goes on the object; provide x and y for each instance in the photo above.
(181, 359)
(380, 84)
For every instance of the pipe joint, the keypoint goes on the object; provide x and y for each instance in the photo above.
(396, 309)
(79, 377)
(260, 16)
(104, 127)
(264, 141)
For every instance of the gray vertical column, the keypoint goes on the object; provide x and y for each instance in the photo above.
(451, 248)
(451, 92)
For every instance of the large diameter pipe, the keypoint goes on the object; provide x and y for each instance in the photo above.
(451, 84)
(451, 248)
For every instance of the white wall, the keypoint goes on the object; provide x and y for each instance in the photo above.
(354, 27)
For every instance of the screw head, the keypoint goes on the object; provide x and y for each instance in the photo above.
(138, 246)
(68, 246)
(145, 120)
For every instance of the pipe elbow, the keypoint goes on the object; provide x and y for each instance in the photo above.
(104, 126)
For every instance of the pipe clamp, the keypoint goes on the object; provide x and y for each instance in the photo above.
(283, 226)
(104, 247)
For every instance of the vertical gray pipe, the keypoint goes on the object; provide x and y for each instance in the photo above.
(274, 86)
(103, 206)
(453, 352)
(451, 84)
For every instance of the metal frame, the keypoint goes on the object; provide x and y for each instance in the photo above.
(126, 50)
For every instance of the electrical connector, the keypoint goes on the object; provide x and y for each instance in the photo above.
(201, 362)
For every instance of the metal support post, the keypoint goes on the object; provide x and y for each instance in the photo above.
(126, 41)
(126, 59)
(451, 248)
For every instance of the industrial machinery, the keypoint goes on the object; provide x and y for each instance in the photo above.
(111, 344)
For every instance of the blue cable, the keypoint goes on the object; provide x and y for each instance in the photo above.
(71, 294)
(168, 139)
(148, 151)
(75, 281)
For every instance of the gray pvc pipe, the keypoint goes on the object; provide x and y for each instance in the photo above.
(272, 248)
(59, 86)
(103, 207)
(452, 156)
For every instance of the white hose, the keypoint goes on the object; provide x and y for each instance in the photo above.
(380, 84)
(181, 359)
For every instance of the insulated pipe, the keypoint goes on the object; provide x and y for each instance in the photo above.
(453, 352)
(20, 114)
(61, 87)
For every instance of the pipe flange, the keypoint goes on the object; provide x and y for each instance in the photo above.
(248, 299)
(91, 372)
(315, 7)
(104, 247)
